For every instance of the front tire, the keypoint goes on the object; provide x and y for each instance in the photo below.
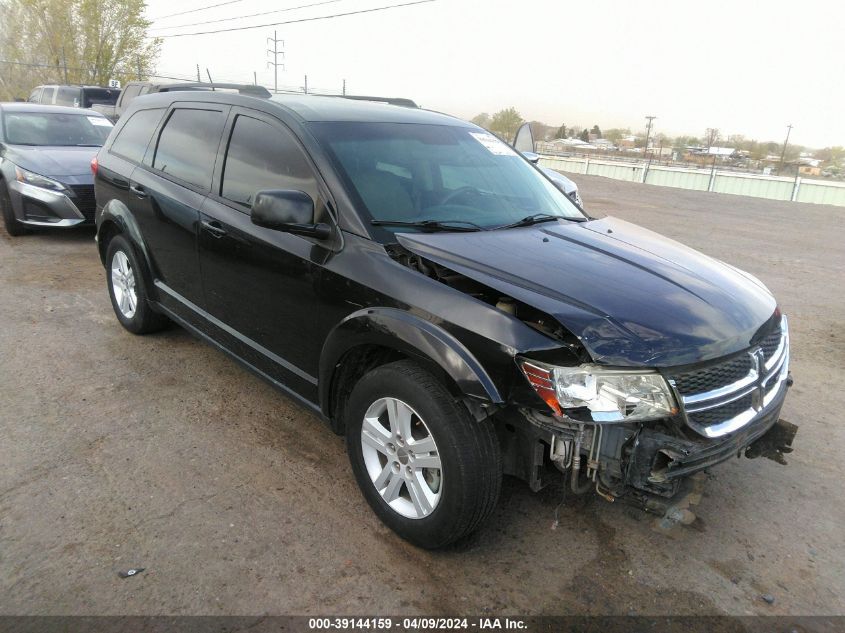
(128, 293)
(429, 471)
(13, 226)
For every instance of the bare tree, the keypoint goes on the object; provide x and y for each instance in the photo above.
(73, 41)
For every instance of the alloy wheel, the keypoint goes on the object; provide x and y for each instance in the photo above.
(401, 458)
(123, 284)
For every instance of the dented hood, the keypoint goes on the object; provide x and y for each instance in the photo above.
(633, 297)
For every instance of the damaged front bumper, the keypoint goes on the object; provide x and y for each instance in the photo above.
(650, 465)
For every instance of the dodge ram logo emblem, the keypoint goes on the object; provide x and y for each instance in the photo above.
(758, 361)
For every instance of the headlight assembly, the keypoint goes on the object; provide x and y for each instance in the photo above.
(37, 180)
(599, 394)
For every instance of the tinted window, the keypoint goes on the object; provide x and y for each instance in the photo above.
(261, 156)
(40, 128)
(47, 95)
(34, 96)
(102, 96)
(188, 145)
(133, 138)
(68, 96)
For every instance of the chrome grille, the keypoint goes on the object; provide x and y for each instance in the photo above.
(724, 397)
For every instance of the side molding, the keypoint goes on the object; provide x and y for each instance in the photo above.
(397, 329)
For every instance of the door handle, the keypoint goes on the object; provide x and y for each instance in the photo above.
(214, 228)
(138, 190)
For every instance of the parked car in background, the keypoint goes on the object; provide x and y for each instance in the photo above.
(524, 143)
(45, 165)
(73, 96)
(139, 88)
(417, 283)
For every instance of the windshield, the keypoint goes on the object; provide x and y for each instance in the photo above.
(438, 173)
(45, 128)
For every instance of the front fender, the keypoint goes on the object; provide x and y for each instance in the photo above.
(410, 334)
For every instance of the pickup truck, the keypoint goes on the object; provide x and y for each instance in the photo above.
(137, 88)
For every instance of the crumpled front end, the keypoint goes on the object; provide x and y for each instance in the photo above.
(726, 408)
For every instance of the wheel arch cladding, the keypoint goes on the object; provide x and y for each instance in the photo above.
(392, 334)
(117, 219)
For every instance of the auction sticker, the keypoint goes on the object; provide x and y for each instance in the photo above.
(493, 145)
(96, 120)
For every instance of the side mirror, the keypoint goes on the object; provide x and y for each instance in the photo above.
(288, 211)
(531, 157)
(524, 139)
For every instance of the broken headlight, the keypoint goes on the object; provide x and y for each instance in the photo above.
(607, 395)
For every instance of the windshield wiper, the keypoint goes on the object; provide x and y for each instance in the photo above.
(537, 218)
(433, 225)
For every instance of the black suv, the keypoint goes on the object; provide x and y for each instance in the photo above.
(430, 293)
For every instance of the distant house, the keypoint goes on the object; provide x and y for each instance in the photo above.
(627, 142)
(809, 170)
(563, 145)
(603, 143)
(697, 154)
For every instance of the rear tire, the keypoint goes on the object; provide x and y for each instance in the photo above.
(437, 481)
(13, 226)
(127, 290)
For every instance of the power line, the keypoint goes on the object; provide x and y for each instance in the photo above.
(243, 17)
(213, 6)
(321, 17)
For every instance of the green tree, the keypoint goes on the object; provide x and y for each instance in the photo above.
(585, 135)
(561, 131)
(505, 123)
(539, 130)
(614, 134)
(73, 41)
(596, 130)
(481, 120)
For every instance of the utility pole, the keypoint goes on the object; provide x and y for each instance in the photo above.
(275, 52)
(305, 87)
(64, 62)
(783, 153)
(139, 68)
(199, 78)
(344, 87)
(648, 132)
(254, 78)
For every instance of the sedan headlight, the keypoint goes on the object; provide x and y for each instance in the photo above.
(37, 180)
(608, 395)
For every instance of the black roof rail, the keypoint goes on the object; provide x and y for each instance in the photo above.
(244, 89)
(398, 101)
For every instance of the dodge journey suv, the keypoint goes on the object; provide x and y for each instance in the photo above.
(431, 294)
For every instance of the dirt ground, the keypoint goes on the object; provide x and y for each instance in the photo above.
(119, 451)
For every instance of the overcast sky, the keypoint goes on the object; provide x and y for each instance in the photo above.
(744, 67)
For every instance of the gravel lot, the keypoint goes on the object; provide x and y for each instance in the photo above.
(119, 451)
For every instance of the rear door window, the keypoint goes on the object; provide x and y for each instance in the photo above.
(48, 94)
(132, 140)
(68, 96)
(35, 96)
(187, 147)
(262, 156)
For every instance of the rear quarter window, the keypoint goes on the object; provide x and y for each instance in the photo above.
(187, 147)
(134, 137)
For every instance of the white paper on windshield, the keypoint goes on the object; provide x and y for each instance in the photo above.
(494, 145)
(96, 120)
